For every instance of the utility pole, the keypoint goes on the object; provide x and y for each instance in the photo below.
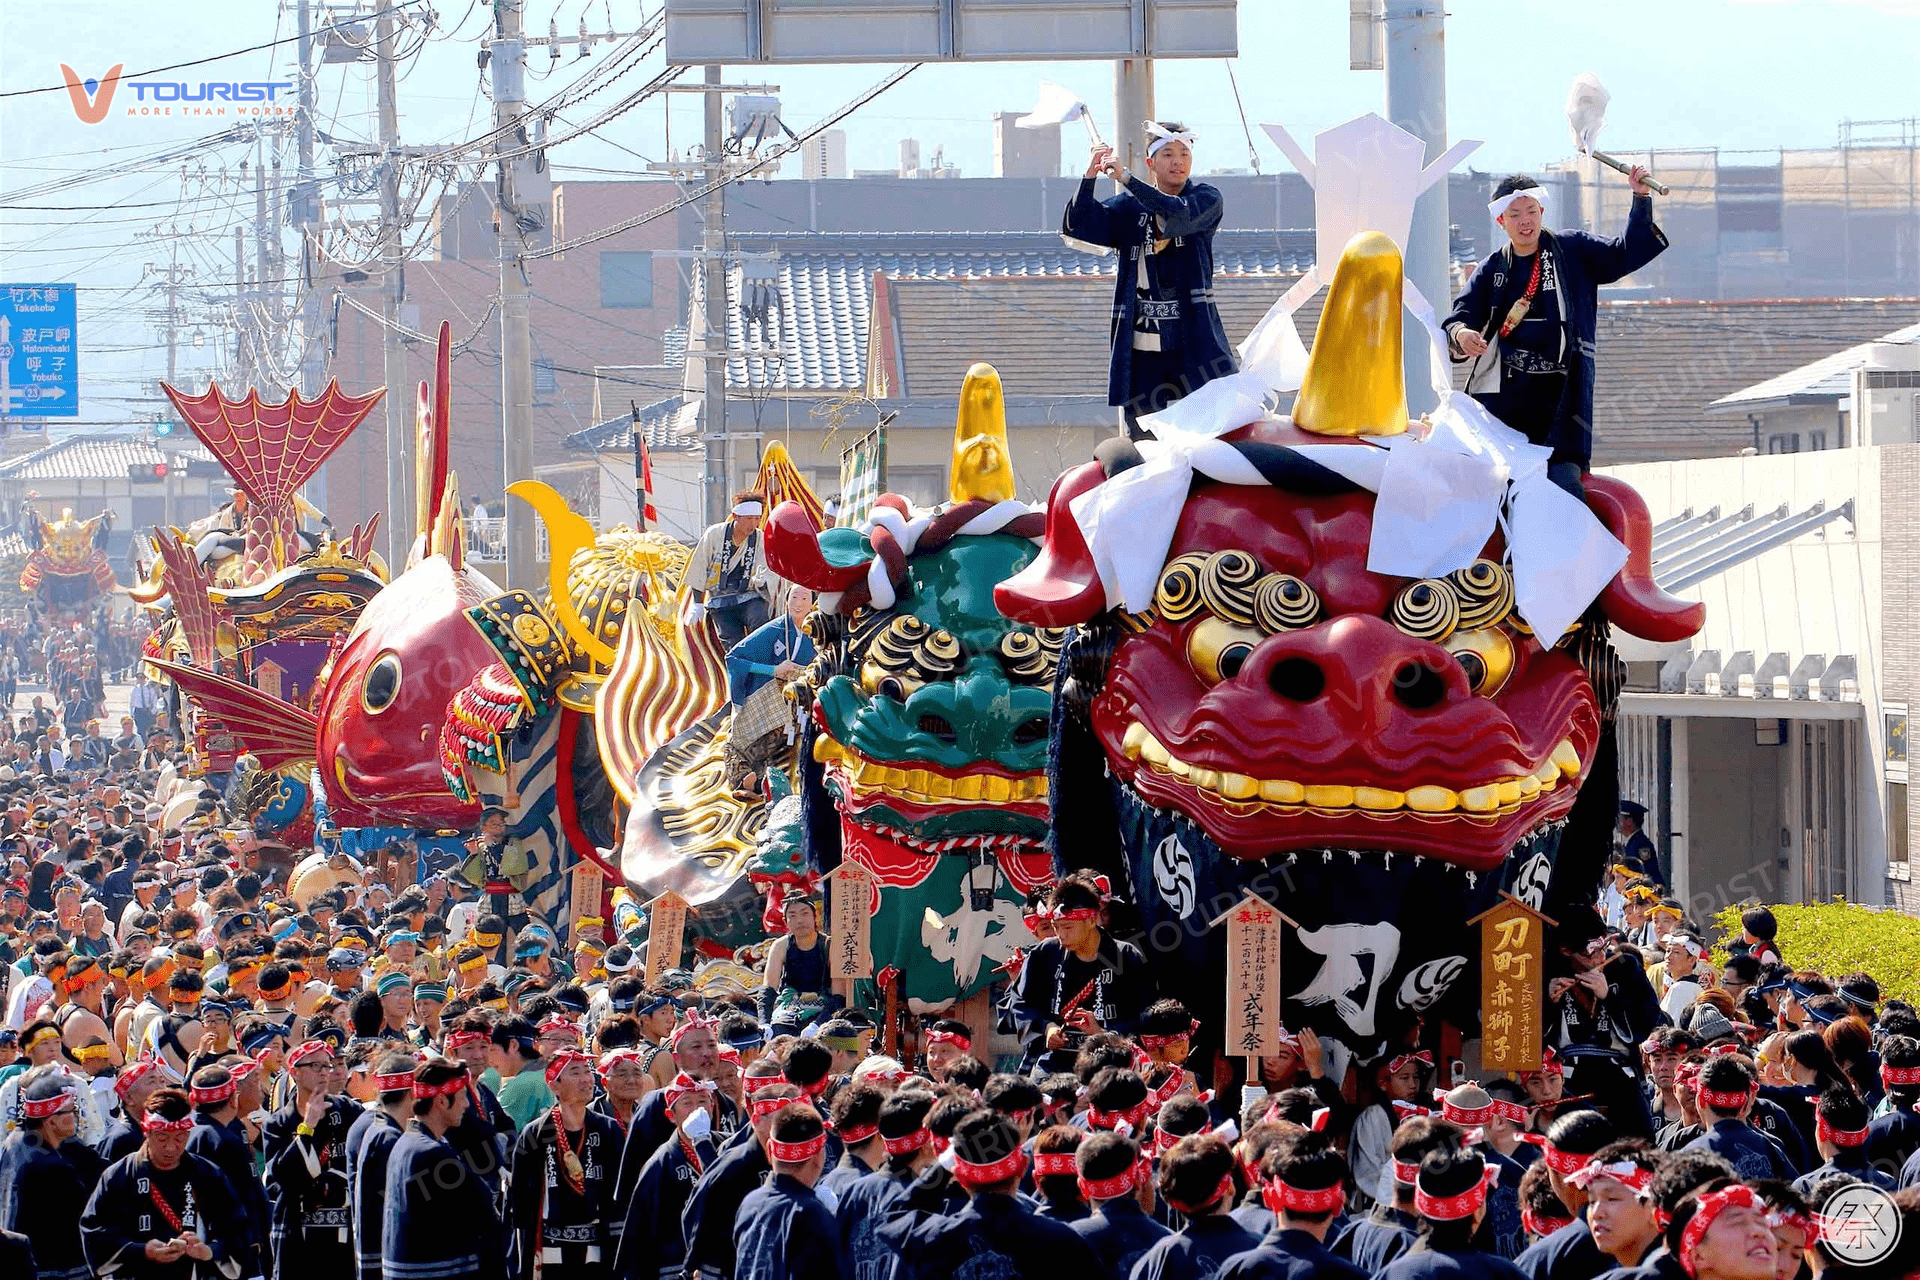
(507, 61)
(400, 510)
(713, 241)
(243, 319)
(305, 216)
(1416, 67)
(1132, 105)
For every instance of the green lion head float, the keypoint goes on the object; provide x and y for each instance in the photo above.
(927, 712)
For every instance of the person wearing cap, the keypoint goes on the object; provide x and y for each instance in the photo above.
(162, 1205)
(220, 1138)
(1678, 980)
(785, 1231)
(1528, 317)
(1633, 848)
(440, 1217)
(561, 1210)
(1166, 339)
(304, 1148)
(47, 1175)
(429, 998)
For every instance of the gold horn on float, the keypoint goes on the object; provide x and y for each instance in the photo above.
(1355, 384)
(982, 463)
(567, 533)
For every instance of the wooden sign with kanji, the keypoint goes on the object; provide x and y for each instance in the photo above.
(849, 925)
(666, 927)
(588, 882)
(1253, 978)
(1512, 947)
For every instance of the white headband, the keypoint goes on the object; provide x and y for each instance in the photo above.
(749, 509)
(1694, 949)
(1162, 136)
(1499, 206)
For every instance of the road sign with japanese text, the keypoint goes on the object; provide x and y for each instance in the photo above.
(39, 362)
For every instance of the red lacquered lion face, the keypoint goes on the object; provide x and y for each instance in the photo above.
(1287, 698)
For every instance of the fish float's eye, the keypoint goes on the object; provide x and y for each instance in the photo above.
(382, 684)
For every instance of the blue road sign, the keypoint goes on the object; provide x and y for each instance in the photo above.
(39, 363)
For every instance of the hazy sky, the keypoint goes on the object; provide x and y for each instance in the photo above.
(1732, 74)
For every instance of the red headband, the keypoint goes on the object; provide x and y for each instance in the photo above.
(1133, 1117)
(1163, 1141)
(1624, 1172)
(1722, 1100)
(461, 1039)
(858, 1134)
(754, 1084)
(154, 1122)
(1161, 1042)
(758, 1108)
(1542, 1226)
(1280, 1195)
(1515, 1112)
(1711, 1207)
(559, 1026)
(134, 1073)
(41, 1108)
(1047, 1164)
(1564, 1163)
(917, 1139)
(970, 1175)
(1550, 1065)
(1824, 1132)
(695, 1022)
(1121, 1184)
(1894, 1076)
(1394, 1064)
(1465, 1117)
(797, 1152)
(1193, 1208)
(1453, 1208)
(445, 1089)
(298, 1055)
(211, 1095)
(683, 1084)
(963, 1043)
(1405, 1174)
(395, 1083)
(240, 1070)
(563, 1059)
(1078, 913)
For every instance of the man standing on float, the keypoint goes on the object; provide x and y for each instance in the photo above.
(1166, 335)
(1528, 317)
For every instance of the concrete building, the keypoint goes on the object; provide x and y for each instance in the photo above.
(1024, 153)
(824, 155)
(1772, 749)
(1801, 223)
(142, 484)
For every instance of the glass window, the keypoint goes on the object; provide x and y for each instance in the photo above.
(1897, 826)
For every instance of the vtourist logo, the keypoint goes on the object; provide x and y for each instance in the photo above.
(91, 98)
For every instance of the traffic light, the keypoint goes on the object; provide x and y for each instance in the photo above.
(147, 472)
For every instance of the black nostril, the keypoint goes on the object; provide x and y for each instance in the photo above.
(1297, 679)
(1029, 731)
(1418, 686)
(937, 727)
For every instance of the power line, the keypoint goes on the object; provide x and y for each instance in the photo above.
(772, 157)
(233, 53)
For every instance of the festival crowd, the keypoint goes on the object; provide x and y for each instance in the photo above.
(212, 1075)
